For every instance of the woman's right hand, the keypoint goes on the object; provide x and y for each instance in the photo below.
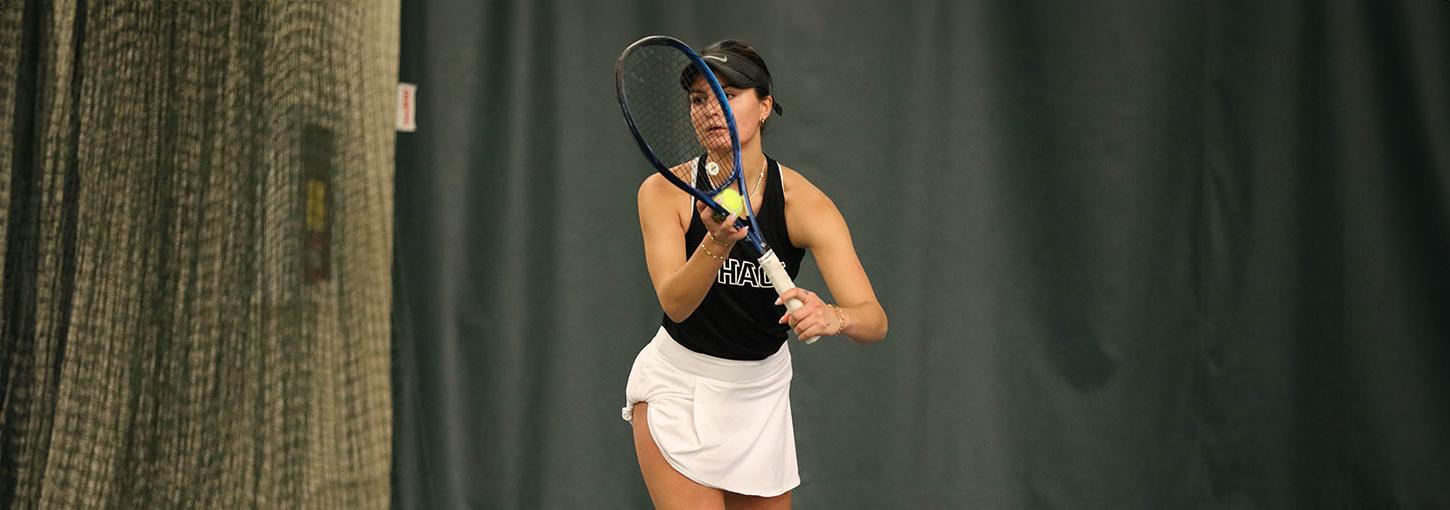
(721, 233)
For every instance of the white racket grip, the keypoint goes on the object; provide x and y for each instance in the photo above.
(775, 270)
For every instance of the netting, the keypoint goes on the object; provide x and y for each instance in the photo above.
(196, 202)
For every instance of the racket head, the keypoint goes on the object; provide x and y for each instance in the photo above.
(680, 116)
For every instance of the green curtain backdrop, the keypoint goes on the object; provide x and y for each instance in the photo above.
(1135, 254)
(196, 218)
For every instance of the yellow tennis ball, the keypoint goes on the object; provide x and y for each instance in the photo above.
(731, 201)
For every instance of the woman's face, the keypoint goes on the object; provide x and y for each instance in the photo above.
(709, 120)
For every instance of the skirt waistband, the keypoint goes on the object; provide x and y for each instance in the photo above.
(720, 369)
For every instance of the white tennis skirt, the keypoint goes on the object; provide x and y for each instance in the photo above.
(722, 423)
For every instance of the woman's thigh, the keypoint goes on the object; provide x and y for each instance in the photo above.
(735, 501)
(668, 488)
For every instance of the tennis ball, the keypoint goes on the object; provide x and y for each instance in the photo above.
(731, 201)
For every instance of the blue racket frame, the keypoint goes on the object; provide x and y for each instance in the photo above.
(748, 220)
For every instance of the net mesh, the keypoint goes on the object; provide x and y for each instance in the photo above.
(197, 227)
(679, 125)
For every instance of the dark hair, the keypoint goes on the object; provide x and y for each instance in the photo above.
(725, 58)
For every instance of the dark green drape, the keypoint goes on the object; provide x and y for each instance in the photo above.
(1137, 255)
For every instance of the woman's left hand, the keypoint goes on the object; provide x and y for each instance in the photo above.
(814, 318)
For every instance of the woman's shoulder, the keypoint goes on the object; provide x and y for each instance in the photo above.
(658, 195)
(656, 185)
(652, 183)
(787, 172)
(796, 183)
(805, 208)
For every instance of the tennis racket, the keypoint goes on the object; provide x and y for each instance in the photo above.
(681, 133)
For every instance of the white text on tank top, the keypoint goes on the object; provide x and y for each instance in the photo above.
(742, 273)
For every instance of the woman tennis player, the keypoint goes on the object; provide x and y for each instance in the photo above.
(709, 396)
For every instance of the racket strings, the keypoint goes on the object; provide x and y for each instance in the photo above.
(678, 127)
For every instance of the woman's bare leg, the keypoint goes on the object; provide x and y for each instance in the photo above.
(735, 501)
(668, 488)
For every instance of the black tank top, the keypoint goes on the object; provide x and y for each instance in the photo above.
(737, 318)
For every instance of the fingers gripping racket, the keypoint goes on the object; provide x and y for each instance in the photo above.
(683, 128)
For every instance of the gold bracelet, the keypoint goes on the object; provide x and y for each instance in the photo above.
(717, 241)
(840, 319)
(712, 255)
